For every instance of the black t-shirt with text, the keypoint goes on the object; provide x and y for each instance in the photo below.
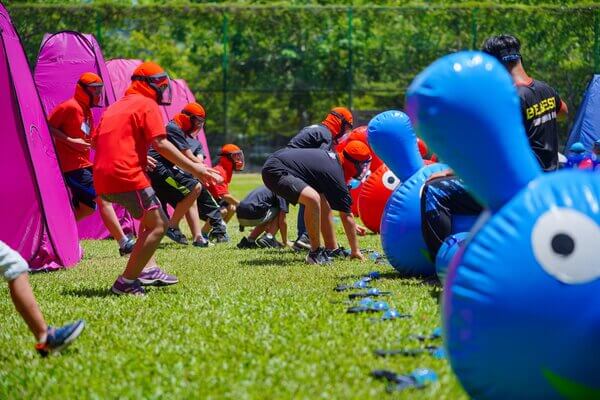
(540, 105)
(258, 202)
(312, 137)
(321, 170)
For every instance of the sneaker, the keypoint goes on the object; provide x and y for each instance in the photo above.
(60, 338)
(340, 252)
(122, 287)
(127, 247)
(246, 244)
(318, 257)
(177, 236)
(218, 237)
(156, 277)
(202, 243)
(302, 243)
(267, 241)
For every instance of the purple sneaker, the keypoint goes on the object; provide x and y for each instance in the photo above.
(122, 287)
(156, 277)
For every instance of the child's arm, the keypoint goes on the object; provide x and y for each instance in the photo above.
(188, 153)
(74, 143)
(283, 227)
(171, 153)
(350, 229)
(229, 199)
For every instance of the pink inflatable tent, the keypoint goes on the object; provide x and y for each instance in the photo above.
(35, 210)
(63, 57)
(120, 71)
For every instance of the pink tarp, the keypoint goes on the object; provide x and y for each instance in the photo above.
(35, 211)
(120, 71)
(63, 57)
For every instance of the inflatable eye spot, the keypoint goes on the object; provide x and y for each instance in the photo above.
(390, 181)
(563, 242)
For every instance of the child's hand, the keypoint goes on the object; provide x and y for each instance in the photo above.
(357, 256)
(361, 230)
(78, 144)
(207, 175)
(150, 164)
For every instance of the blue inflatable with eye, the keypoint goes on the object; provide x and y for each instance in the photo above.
(521, 304)
(392, 138)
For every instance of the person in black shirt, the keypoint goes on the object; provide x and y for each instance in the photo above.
(174, 186)
(325, 135)
(540, 103)
(317, 179)
(266, 211)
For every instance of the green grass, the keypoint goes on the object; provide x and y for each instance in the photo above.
(240, 324)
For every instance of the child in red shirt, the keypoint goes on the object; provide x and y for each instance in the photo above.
(126, 131)
(72, 125)
(231, 159)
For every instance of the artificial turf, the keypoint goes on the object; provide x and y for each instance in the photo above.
(240, 324)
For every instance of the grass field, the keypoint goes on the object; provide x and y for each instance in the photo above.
(240, 324)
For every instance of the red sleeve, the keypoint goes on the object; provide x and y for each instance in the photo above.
(58, 116)
(220, 189)
(153, 124)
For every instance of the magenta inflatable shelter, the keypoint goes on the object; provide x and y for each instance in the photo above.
(120, 71)
(63, 57)
(35, 210)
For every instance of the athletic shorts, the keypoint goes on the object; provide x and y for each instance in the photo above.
(11, 263)
(136, 202)
(172, 185)
(278, 179)
(256, 220)
(81, 185)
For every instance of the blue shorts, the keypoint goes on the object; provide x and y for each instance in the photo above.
(81, 183)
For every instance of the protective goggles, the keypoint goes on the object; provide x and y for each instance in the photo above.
(161, 85)
(362, 167)
(95, 91)
(196, 120)
(508, 55)
(237, 159)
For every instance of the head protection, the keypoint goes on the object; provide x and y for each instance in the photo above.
(91, 88)
(339, 121)
(151, 80)
(235, 155)
(196, 115)
(356, 159)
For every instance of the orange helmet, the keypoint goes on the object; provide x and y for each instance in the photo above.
(90, 87)
(235, 155)
(196, 114)
(152, 77)
(356, 159)
(339, 121)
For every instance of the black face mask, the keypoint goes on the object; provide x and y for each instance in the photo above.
(93, 90)
(196, 121)
(161, 84)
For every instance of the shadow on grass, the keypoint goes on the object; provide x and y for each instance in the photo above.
(89, 292)
(264, 261)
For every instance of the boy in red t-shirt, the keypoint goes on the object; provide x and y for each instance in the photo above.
(72, 126)
(126, 131)
(231, 159)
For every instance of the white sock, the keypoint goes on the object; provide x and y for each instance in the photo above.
(127, 280)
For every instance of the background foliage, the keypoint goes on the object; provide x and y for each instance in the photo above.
(264, 70)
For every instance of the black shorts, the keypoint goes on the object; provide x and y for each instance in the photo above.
(278, 179)
(81, 184)
(172, 185)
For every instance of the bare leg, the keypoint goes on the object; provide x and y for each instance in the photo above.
(229, 213)
(257, 231)
(193, 220)
(152, 229)
(82, 211)
(109, 217)
(24, 301)
(184, 205)
(327, 225)
(312, 215)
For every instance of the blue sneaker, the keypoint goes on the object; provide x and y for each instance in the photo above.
(60, 338)
(127, 248)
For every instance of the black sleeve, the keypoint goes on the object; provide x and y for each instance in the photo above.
(339, 197)
(326, 142)
(283, 204)
(558, 101)
(178, 140)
